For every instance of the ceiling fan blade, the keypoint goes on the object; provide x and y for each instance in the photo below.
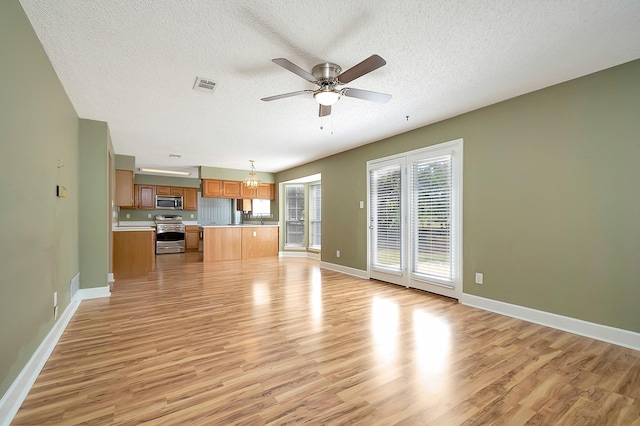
(288, 65)
(366, 94)
(286, 95)
(324, 110)
(372, 63)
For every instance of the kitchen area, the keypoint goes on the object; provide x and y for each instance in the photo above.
(212, 217)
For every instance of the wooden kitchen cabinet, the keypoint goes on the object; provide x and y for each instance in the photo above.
(212, 188)
(190, 200)
(177, 190)
(231, 188)
(124, 191)
(191, 237)
(259, 241)
(248, 193)
(163, 190)
(170, 190)
(216, 188)
(221, 243)
(238, 242)
(145, 197)
(133, 253)
(243, 205)
(266, 191)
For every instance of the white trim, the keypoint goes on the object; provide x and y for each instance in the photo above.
(93, 293)
(616, 336)
(19, 389)
(345, 270)
(308, 254)
(292, 254)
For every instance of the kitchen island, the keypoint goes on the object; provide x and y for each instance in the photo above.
(134, 251)
(235, 242)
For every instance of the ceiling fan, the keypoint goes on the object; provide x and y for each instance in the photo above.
(328, 76)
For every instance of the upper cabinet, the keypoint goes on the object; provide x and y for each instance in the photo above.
(212, 188)
(231, 188)
(216, 188)
(145, 197)
(163, 190)
(266, 191)
(124, 191)
(248, 193)
(190, 200)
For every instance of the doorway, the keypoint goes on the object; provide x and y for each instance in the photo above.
(415, 212)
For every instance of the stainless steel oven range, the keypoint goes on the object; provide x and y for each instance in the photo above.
(169, 234)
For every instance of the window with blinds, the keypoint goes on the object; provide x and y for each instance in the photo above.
(386, 218)
(431, 218)
(315, 216)
(294, 219)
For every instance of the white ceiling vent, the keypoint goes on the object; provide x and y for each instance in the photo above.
(204, 84)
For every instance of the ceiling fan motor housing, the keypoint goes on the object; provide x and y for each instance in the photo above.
(326, 72)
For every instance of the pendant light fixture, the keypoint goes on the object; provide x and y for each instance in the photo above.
(252, 180)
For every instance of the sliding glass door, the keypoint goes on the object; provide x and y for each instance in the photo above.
(416, 219)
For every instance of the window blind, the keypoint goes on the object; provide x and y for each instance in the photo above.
(386, 219)
(315, 216)
(294, 220)
(431, 218)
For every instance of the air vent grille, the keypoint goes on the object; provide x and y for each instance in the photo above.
(204, 84)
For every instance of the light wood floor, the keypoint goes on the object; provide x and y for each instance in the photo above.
(281, 341)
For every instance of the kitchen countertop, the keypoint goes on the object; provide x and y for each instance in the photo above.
(132, 228)
(244, 225)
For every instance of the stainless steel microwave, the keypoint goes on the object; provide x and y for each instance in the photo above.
(168, 202)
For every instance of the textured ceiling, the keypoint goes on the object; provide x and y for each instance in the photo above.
(133, 63)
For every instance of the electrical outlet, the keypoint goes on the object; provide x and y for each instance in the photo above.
(191, 216)
(479, 278)
(362, 204)
(128, 216)
(337, 253)
(55, 299)
(148, 215)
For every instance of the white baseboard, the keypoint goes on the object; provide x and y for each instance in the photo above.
(94, 293)
(292, 254)
(617, 336)
(345, 270)
(17, 392)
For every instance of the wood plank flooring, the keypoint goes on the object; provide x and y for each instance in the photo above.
(281, 341)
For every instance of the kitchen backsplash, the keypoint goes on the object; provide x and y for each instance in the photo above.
(150, 215)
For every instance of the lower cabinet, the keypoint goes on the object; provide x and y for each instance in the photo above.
(259, 242)
(191, 237)
(221, 243)
(239, 242)
(133, 253)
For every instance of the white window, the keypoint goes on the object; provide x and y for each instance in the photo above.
(261, 208)
(315, 217)
(294, 215)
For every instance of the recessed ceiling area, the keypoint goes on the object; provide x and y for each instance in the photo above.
(133, 65)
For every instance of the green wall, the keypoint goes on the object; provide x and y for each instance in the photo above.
(38, 231)
(124, 162)
(93, 224)
(234, 174)
(167, 181)
(551, 206)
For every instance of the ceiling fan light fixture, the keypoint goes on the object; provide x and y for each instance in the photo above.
(326, 97)
(252, 181)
